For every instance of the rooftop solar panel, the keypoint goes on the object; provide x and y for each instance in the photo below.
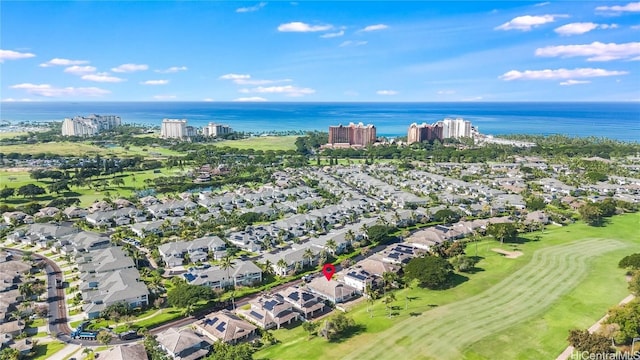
(221, 326)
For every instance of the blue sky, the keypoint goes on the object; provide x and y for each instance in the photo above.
(320, 51)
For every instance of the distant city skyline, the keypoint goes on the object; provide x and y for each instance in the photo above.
(307, 51)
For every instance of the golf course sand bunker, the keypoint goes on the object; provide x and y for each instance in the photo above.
(444, 332)
(508, 254)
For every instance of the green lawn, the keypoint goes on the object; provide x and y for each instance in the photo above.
(262, 143)
(514, 309)
(65, 148)
(44, 351)
(132, 182)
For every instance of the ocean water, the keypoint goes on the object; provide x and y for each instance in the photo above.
(620, 121)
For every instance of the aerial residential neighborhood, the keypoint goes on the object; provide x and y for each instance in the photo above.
(256, 248)
(308, 180)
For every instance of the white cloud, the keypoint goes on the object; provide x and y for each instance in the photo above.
(298, 26)
(595, 51)
(50, 91)
(18, 100)
(125, 68)
(63, 62)
(207, 100)
(251, 99)
(14, 55)
(635, 27)
(102, 77)
(164, 97)
(446, 92)
(155, 82)
(527, 22)
(251, 8)
(172, 69)
(386, 92)
(258, 82)
(352, 43)
(245, 79)
(630, 7)
(548, 74)
(234, 76)
(475, 98)
(574, 82)
(375, 27)
(542, 4)
(332, 35)
(581, 28)
(80, 70)
(288, 90)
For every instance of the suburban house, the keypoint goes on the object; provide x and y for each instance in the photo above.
(99, 290)
(331, 290)
(124, 352)
(294, 258)
(269, 311)
(173, 253)
(82, 242)
(303, 301)
(225, 326)
(183, 344)
(358, 279)
(108, 276)
(104, 260)
(171, 208)
(244, 273)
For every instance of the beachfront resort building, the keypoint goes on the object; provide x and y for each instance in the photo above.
(352, 135)
(174, 129)
(455, 128)
(89, 125)
(216, 130)
(424, 132)
(443, 129)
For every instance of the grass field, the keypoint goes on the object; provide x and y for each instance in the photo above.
(132, 182)
(7, 135)
(513, 309)
(45, 351)
(85, 149)
(263, 143)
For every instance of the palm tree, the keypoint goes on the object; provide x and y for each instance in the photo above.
(308, 256)
(389, 277)
(323, 257)
(282, 264)
(267, 267)
(332, 246)
(226, 263)
(388, 300)
(350, 236)
(26, 290)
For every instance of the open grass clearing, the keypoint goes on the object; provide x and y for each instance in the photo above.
(83, 149)
(263, 143)
(599, 285)
(45, 351)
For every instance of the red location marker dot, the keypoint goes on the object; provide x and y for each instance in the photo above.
(328, 270)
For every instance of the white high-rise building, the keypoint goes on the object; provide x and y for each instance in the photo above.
(214, 129)
(89, 125)
(174, 129)
(455, 128)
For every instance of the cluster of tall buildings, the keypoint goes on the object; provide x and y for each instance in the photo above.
(178, 129)
(89, 125)
(443, 129)
(357, 135)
